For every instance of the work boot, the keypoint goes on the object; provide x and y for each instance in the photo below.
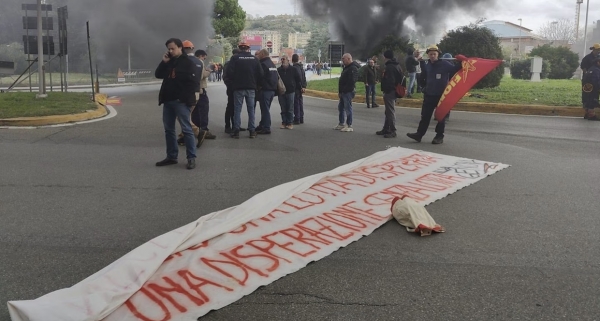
(191, 164)
(415, 136)
(228, 130)
(209, 135)
(166, 161)
(201, 137)
(438, 140)
(382, 132)
(235, 134)
(390, 135)
(375, 105)
(252, 134)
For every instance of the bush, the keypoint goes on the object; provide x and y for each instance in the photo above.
(521, 69)
(476, 41)
(562, 61)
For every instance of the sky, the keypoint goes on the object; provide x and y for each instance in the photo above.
(534, 13)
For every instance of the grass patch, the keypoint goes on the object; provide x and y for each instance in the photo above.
(19, 104)
(551, 92)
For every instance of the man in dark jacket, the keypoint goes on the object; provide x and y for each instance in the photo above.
(178, 96)
(266, 91)
(246, 73)
(391, 77)
(411, 63)
(438, 73)
(229, 85)
(371, 79)
(346, 92)
(586, 63)
(298, 99)
(292, 80)
(591, 89)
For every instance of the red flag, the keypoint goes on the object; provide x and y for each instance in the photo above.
(473, 69)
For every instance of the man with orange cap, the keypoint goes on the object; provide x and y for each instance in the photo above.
(188, 48)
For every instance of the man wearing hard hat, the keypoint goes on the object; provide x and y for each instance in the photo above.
(437, 74)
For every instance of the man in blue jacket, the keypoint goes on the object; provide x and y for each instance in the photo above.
(437, 74)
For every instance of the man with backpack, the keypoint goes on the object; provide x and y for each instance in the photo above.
(392, 76)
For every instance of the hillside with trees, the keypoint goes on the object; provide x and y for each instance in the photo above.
(285, 24)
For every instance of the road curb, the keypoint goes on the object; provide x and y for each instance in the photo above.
(99, 112)
(541, 110)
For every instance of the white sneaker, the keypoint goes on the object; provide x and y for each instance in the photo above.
(347, 129)
(339, 127)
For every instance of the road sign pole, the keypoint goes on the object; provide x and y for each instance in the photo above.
(40, 41)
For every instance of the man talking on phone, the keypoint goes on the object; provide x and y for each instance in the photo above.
(178, 96)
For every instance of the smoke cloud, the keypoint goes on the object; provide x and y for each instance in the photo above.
(144, 25)
(362, 24)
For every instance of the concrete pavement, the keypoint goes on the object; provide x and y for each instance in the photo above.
(521, 244)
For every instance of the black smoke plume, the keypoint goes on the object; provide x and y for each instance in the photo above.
(362, 24)
(144, 25)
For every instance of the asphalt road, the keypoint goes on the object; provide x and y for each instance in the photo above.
(522, 244)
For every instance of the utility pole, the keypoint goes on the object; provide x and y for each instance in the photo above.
(520, 29)
(587, 11)
(40, 41)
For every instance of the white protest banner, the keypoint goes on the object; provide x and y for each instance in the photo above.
(225, 255)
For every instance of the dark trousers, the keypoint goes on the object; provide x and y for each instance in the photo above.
(298, 107)
(429, 105)
(202, 111)
(390, 112)
(229, 109)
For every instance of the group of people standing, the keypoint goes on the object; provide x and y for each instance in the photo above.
(435, 74)
(254, 79)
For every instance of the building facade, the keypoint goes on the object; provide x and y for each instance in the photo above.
(298, 39)
(266, 36)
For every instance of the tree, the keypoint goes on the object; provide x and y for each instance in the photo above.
(229, 19)
(563, 62)
(318, 40)
(521, 69)
(563, 30)
(476, 41)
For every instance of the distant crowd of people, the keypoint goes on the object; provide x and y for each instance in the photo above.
(255, 80)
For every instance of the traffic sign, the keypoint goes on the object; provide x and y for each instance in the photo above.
(269, 44)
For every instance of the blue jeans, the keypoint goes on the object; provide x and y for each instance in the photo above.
(177, 110)
(265, 108)
(345, 108)
(370, 89)
(411, 82)
(238, 102)
(286, 101)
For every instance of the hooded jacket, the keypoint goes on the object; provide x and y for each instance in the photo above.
(291, 79)
(179, 80)
(302, 74)
(392, 75)
(245, 72)
(270, 80)
(348, 78)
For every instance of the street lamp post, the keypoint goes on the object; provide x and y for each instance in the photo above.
(520, 28)
(587, 11)
(40, 41)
